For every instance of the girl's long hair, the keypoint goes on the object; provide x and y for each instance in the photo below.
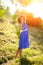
(24, 17)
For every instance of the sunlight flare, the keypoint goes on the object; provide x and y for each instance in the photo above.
(36, 8)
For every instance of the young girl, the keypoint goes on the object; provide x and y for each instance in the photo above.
(23, 39)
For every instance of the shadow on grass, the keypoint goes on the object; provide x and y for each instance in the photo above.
(25, 61)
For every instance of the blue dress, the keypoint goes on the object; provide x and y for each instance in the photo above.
(24, 40)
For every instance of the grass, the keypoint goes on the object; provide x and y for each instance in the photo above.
(9, 45)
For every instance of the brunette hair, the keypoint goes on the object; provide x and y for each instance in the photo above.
(20, 18)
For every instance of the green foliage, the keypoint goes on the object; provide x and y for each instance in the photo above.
(25, 61)
(9, 44)
(1, 7)
(15, 16)
(7, 12)
(2, 12)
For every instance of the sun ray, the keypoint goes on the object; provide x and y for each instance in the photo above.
(36, 8)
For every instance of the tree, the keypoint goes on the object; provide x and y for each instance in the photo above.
(7, 12)
(2, 10)
(15, 16)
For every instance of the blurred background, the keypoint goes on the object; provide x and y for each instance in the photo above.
(9, 31)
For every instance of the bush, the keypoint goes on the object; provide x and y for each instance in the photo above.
(25, 61)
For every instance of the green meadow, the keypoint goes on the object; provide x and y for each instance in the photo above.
(9, 42)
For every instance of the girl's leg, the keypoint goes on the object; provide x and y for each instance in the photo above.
(19, 51)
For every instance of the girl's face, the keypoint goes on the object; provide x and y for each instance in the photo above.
(22, 20)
